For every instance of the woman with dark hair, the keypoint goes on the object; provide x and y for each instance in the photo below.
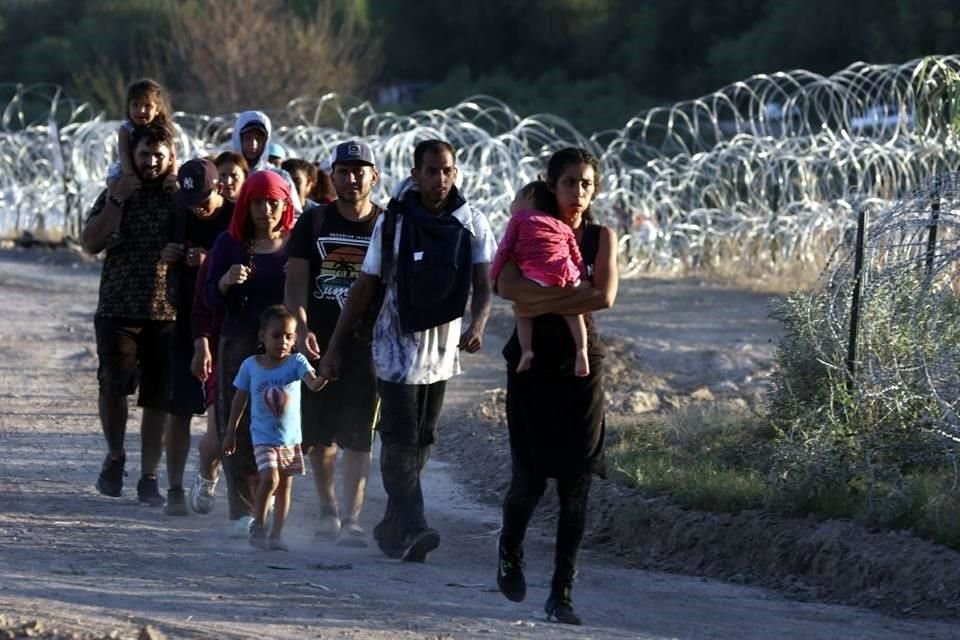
(556, 418)
(246, 276)
(233, 171)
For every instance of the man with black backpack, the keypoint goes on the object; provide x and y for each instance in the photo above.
(428, 251)
(326, 249)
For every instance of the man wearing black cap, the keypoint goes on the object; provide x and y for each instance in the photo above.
(326, 251)
(202, 214)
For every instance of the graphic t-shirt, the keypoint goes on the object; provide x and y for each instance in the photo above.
(274, 399)
(336, 254)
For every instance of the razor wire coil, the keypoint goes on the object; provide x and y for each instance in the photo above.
(762, 171)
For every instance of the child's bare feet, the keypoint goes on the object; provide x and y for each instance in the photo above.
(581, 367)
(526, 361)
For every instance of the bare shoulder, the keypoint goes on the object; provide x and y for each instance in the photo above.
(608, 237)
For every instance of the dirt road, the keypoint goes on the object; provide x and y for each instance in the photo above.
(86, 563)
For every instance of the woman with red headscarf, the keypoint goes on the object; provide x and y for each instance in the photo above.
(246, 275)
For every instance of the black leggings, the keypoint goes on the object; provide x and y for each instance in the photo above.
(237, 468)
(524, 493)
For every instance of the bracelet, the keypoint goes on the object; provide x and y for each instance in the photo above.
(115, 201)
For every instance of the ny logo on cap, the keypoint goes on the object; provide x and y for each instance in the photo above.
(187, 183)
(353, 150)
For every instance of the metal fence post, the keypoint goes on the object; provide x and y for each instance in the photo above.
(934, 223)
(855, 303)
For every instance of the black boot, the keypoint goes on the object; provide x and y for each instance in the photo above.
(559, 605)
(510, 578)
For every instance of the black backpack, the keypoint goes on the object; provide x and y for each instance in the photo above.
(434, 268)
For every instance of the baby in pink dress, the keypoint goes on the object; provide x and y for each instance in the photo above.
(545, 249)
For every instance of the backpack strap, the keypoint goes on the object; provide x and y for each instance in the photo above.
(387, 240)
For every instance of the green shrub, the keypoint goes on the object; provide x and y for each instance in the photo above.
(865, 447)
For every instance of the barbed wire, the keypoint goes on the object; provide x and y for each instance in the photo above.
(908, 347)
(762, 171)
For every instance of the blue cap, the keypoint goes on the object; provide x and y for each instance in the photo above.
(276, 150)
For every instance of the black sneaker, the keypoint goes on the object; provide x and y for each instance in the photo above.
(110, 480)
(176, 502)
(148, 491)
(419, 545)
(559, 608)
(510, 577)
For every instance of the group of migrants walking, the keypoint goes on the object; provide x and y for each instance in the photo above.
(302, 324)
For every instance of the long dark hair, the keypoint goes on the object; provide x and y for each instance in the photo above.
(562, 159)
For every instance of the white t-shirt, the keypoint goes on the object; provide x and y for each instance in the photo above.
(423, 357)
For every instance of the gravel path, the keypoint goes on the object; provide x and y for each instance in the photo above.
(83, 563)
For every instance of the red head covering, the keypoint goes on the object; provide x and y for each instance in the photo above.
(260, 184)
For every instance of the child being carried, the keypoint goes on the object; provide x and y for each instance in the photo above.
(545, 250)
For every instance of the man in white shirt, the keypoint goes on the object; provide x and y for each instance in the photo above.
(412, 366)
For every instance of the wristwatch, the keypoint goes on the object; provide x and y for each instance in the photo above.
(115, 201)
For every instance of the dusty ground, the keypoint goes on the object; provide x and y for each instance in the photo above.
(77, 562)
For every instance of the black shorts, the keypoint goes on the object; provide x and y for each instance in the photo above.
(345, 411)
(185, 394)
(135, 354)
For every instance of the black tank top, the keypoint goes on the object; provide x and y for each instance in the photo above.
(552, 340)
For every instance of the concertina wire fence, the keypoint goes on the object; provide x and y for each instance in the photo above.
(762, 172)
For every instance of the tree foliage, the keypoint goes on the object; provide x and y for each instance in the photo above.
(596, 62)
(265, 54)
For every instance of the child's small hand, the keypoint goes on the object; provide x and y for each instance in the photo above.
(316, 383)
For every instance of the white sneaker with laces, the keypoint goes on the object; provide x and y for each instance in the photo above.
(203, 494)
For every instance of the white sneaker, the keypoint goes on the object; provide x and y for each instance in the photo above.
(329, 527)
(203, 494)
(240, 528)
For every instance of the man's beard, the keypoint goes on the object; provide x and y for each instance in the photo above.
(159, 177)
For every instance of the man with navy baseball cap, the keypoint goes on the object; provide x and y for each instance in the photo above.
(326, 251)
(352, 152)
(197, 179)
